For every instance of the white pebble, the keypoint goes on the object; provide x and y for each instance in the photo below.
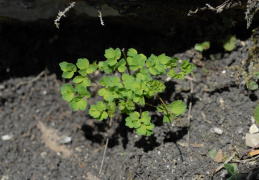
(64, 140)
(217, 130)
(7, 137)
(253, 129)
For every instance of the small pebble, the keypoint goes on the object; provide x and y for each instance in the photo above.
(64, 140)
(7, 137)
(43, 155)
(253, 129)
(217, 130)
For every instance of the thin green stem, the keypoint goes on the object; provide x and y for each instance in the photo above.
(165, 106)
(93, 80)
(151, 105)
(127, 65)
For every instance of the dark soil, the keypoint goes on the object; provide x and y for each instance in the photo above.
(31, 106)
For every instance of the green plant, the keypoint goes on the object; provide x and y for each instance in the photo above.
(130, 89)
(232, 171)
(229, 43)
(203, 46)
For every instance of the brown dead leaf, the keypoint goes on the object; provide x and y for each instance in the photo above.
(50, 138)
(219, 157)
(254, 153)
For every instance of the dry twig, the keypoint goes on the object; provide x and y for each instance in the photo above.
(106, 145)
(189, 113)
(27, 82)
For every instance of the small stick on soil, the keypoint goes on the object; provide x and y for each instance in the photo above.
(222, 165)
(246, 160)
(107, 141)
(27, 82)
(189, 113)
(251, 149)
(204, 117)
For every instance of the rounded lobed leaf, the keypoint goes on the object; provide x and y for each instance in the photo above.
(94, 112)
(68, 74)
(163, 59)
(132, 52)
(101, 106)
(82, 63)
(178, 107)
(78, 79)
(63, 66)
(78, 103)
(82, 91)
(253, 85)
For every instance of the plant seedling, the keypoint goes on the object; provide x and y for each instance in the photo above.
(232, 171)
(138, 80)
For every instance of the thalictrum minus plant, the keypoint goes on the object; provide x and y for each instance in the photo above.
(130, 89)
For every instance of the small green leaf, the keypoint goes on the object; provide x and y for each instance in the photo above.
(256, 74)
(121, 65)
(108, 96)
(68, 75)
(132, 52)
(153, 71)
(167, 118)
(82, 63)
(129, 122)
(67, 92)
(151, 61)
(78, 103)
(179, 76)
(178, 107)
(171, 73)
(253, 85)
(63, 66)
(94, 112)
(104, 115)
(112, 54)
(102, 92)
(103, 66)
(212, 153)
(142, 101)
(82, 91)
(111, 62)
(101, 106)
(163, 59)
(78, 79)
(229, 43)
(203, 46)
(141, 130)
(97, 111)
(231, 168)
(91, 68)
(111, 107)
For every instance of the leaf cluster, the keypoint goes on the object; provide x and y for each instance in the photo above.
(124, 92)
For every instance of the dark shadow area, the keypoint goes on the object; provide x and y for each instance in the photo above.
(147, 143)
(174, 136)
(120, 134)
(223, 88)
(253, 97)
(94, 135)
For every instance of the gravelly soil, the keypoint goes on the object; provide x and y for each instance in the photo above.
(38, 121)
